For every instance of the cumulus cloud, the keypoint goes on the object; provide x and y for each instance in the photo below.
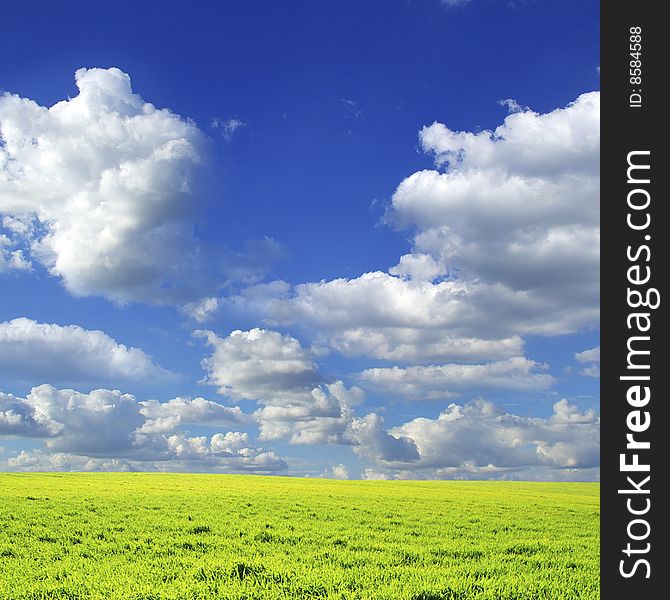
(505, 244)
(103, 186)
(205, 460)
(202, 310)
(167, 416)
(99, 423)
(480, 440)
(259, 364)
(592, 355)
(297, 404)
(481, 435)
(20, 417)
(296, 401)
(109, 430)
(516, 209)
(49, 352)
(230, 451)
(446, 381)
(12, 258)
(337, 472)
(39, 460)
(385, 316)
(371, 440)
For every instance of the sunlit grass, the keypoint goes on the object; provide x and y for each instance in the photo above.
(151, 536)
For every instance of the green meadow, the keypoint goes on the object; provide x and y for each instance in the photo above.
(154, 536)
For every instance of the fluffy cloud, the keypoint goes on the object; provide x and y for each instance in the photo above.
(20, 417)
(371, 440)
(506, 244)
(207, 460)
(296, 402)
(108, 430)
(385, 316)
(592, 355)
(30, 350)
(103, 186)
(298, 405)
(482, 436)
(230, 451)
(202, 310)
(481, 441)
(446, 381)
(100, 423)
(337, 472)
(11, 257)
(38, 460)
(516, 210)
(167, 416)
(259, 364)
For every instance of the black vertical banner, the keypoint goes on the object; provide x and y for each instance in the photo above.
(634, 249)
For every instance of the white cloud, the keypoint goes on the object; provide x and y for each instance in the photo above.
(259, 364)
(320, 417)
(591, 371)
(168, 416)
(38, 460)
(296, 404)
(371, 439)
(337, 472)
(12, 258)
(108, 430)
(296, 401)
(527, 143)
(202, 310)
(206, 459)
(385, 316)
(480, 435)
(35, 351)
(104, 186)
(447, 381)
(99, 423)
(506, 244)
(592, 355)
(516, 211)
(481, 441)
(19, 417)
(376, 475)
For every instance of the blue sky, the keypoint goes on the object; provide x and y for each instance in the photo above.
(413, 295)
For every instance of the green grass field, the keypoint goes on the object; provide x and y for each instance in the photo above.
(151, 536)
